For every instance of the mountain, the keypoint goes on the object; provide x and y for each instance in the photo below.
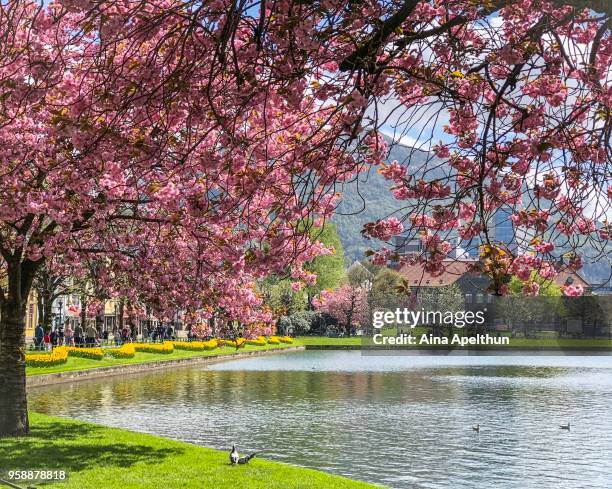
(368, 198)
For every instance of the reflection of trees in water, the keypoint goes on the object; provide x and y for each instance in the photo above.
(289, 390)
(214, 388)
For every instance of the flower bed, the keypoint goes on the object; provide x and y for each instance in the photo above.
(285, 339)
(261, 341)
(75, 351)
(274, 340)
(60, 355)
(166, 347)
(57, 357)
(195, 345)
(124, 351)
(237, 343)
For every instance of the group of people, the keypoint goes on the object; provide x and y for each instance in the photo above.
(92, 336)
(127, 334)
(49, 338)
(160, 333)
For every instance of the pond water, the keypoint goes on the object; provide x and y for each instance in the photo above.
(403, 421)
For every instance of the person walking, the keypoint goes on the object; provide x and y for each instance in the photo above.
(47, 341)
(90, 336)
(69, 335)
(117, 336)
(54, 338)
(78, 335)
(39, 336)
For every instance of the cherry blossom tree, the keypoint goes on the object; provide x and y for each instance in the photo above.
(169, 147)
(512, 99)
(190, 145)
(347, 304)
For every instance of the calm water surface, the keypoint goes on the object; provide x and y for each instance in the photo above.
(404, 421)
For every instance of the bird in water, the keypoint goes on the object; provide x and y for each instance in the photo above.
(565, 426)
(235, 457)
(476, 428)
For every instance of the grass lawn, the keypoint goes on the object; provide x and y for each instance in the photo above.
(98, 457)
(325, 341)
(75, 363)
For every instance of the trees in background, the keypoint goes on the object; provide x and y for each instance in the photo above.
(347, 304)
(328, 268)
(445, 299)
(520, 308)
(281, 297)
(388, 292)
(49, 284)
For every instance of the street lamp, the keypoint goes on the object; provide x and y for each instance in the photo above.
(60, 304)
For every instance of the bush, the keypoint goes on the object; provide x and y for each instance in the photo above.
(285, 324)
(166, 347)
(60, 355)
(261, 341)
(91, 353)
(195, 345)
(303, 322)
(237, 343)
(57, 357)
(285, 339)
(274, 340)
(125, 351)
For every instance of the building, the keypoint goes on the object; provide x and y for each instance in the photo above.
(31, 320)
(406, 245)
(458, 272)
(473, 288)
(501, 230)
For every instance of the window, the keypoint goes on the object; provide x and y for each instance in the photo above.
(468, 298)
(479, 298)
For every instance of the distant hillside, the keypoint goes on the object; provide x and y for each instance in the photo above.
(369, 198)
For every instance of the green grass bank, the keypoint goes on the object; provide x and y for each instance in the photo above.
(98, 457)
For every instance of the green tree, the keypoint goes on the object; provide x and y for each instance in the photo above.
(280, 297)
(389, 291)
(358, 275)
(443, 299)
(329, 268)
(520, 310)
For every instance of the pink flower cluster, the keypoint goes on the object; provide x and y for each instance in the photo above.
(385, 229)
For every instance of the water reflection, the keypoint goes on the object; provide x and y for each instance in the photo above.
(402, 421)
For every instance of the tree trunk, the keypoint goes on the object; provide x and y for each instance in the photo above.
(83, 313)
(99, 322)
(41, 310)
(46, 319)
(120, 321)
(13, 400)
(13, 298)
